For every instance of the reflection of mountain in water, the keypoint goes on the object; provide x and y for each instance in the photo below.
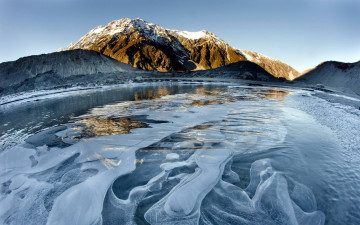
(151, 94)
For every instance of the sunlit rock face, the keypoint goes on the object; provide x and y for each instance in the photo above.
(148, 46)
(168, 160)
(272, 66)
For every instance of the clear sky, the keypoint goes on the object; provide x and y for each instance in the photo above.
(301, 33)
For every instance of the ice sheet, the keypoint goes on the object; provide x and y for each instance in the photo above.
(179, 172)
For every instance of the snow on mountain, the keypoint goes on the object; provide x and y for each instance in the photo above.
(255, 56)
(148, 46)
(150, 30)
(271, 65)
(190, 35)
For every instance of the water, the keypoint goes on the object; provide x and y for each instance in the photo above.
(173, 153)
(19, 121)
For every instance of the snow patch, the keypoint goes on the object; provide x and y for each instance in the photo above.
(97, 30)
(291, 76)
(191, 35)
(254, 56)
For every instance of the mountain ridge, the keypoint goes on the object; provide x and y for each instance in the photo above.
(57, 69)
(84, 67)
(340, 76)
(273, 66)
(148, 46)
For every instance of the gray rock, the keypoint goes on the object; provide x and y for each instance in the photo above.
(57, 69)
(343, 77)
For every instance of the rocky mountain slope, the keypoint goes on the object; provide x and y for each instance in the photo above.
(344, 77)
(272, 66)
(148, 46)
(83, 67)
(47, 70)
(244, 70)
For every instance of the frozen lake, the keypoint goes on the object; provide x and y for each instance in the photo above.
(180, 153)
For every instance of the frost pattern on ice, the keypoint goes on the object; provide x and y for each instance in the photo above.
(178, 172)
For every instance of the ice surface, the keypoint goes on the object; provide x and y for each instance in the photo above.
(37, 95)
(172, 156)
(185, 171)
(343, 120)
(183, 202)
(271, 203)
(343, 173)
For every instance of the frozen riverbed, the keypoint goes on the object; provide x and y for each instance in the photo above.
(171, 153)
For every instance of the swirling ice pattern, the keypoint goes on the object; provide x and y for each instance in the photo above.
(182, 172)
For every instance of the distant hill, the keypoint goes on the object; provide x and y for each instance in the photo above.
(55, 69)
(344, 77)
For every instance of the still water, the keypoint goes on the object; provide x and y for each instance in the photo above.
(171, 153)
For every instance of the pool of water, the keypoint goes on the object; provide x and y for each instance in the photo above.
(180, 153)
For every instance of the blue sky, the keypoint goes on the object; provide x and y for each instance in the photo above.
(301, 33)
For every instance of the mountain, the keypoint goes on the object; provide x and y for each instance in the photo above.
(83, 67)
(148, 46)
(54, 69)
(344, 77)
(272, 66)
(244, 70)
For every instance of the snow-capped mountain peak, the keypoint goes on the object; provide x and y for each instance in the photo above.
(148, 46)
(149, 30)
(124, 25)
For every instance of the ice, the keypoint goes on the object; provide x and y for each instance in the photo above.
(90, 194)
(23, 97)
(183, 202)
(343, 120)
(184, 171)
(111, 156)
(342, 174)
(273, 198)
(46, 137)
(271, 203)
(172, 156)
